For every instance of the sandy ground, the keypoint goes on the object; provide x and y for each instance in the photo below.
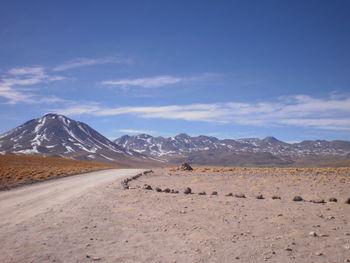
(105, 223)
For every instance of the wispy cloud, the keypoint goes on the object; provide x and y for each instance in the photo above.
(152, 82)
(11, 86)
(300, 110)
(132, 131)
(83, 62)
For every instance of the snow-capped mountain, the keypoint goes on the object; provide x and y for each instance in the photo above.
(57, 135)
(210, 150)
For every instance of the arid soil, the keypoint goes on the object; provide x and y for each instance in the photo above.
(22, 169)
(109, 224)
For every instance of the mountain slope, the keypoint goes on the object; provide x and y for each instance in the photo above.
(205, 150)
(57, 135)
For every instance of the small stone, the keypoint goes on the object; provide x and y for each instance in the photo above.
(240, 196)
(229, 194)
(202, 193)
(289, 249)
(276, 197)
(318, 201)
(158, 189)
(214, 193)
(319, 254)
(333, 199)
(166, 190)
(347, 201)
(312, 234)
(187, 191)
(147, 187)
(260, 197)
(298, 198)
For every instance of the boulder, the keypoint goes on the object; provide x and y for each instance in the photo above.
(185, 167)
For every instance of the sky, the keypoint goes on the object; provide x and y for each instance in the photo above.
(229, 69)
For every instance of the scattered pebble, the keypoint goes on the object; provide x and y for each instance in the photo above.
(214, 193)
(187, 191)
(260, 197)
(276, 197)
(158, 189)
(320, 201)
(298, 198)
(202, 193)
(229, 194)
(333, 199)
(346, 246)
(313, 234)
(147, 187)
(240, 196)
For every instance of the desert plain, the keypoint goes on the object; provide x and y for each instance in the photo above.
(140, 224)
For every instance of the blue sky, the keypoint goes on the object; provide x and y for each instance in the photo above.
(230, 69)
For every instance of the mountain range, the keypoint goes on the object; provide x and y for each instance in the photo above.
(205, 150)
(57, 135)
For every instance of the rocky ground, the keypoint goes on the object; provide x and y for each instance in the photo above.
(202, 227)
(113, 224)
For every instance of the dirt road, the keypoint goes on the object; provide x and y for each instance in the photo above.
(21, 204)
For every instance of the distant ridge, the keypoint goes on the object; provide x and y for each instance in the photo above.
(205, 150)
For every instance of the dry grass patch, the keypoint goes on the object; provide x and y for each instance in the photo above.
(21, 169)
